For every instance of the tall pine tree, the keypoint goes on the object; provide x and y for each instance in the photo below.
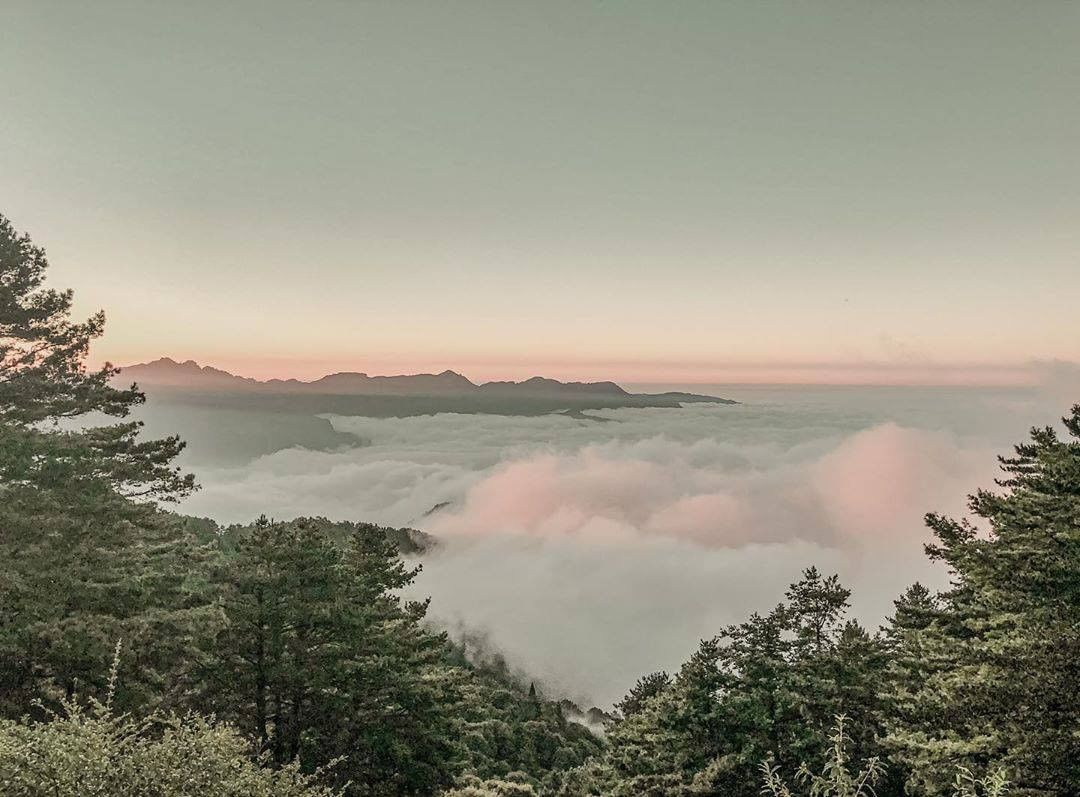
(87, 556)
(319, 657)
(990, 673)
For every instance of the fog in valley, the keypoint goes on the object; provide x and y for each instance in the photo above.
(593, 548)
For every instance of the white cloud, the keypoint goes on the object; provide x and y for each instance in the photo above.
(594, 552)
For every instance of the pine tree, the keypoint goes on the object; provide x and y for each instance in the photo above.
(769, 687)
(44, 381)
(991, 675)
(320, 658)
(647, 687)
(507, 730)
(87, 556)
(815, 607)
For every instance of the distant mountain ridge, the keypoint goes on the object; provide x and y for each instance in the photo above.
(168, 373)
(190, 388)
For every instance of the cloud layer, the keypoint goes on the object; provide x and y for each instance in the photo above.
(593, 552)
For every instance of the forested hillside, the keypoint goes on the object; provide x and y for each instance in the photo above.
(144, 652)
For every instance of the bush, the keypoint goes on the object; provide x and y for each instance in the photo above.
(92, 752)
(835, 779)
(515, 785)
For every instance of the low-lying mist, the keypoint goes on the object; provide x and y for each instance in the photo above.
(593, 551)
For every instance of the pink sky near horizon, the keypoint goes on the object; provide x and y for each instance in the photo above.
(623, 372)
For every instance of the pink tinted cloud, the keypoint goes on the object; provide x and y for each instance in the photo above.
(874, 485)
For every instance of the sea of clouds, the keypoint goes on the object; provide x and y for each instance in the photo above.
(592, 551)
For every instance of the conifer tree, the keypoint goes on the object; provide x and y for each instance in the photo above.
(769, 687)
(87, 556)
(319, 657)
(992, 675)
(44, 382)
(506, 730)
(647, 687)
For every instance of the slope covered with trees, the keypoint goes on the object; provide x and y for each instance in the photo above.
(279, 658)
(291, 634)
(980, 683)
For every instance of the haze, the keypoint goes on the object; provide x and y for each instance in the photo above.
(711, 192)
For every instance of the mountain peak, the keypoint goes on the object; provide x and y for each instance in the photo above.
(165, 371)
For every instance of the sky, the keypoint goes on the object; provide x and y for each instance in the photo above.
(676, 192)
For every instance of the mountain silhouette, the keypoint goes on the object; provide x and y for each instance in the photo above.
(407, 394)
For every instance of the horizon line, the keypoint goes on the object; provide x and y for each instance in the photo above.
(833, 374)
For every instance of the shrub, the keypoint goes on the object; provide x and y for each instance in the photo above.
(92, 752)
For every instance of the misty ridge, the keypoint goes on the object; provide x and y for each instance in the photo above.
(231, 419)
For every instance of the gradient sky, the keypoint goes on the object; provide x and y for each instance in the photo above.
(641, 191)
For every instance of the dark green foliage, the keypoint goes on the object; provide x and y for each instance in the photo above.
(513, 785)
(83, 563)
(839, 776)
(647, 687)
(989, 671)
(506, 728)
(318, 657)
(346, 666)
(44, 380)
(766, 688)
